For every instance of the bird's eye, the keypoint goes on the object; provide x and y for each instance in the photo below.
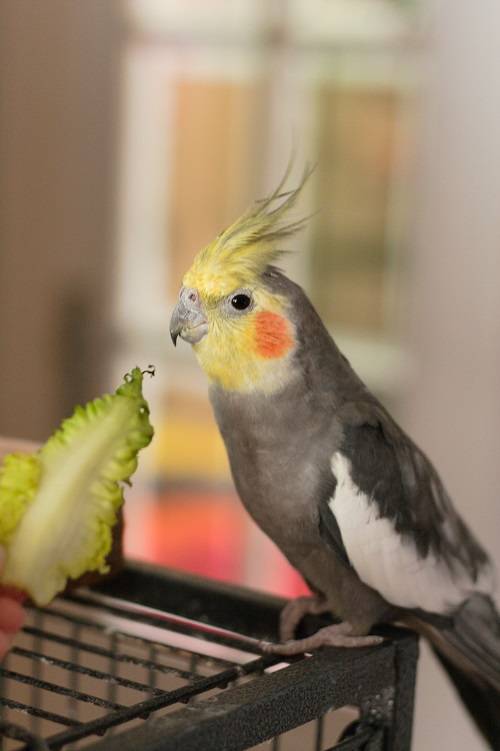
(240, 301)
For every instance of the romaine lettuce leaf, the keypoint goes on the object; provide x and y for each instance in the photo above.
(58, 505)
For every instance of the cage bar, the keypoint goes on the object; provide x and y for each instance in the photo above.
(156, 660)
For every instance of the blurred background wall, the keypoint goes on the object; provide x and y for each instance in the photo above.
(131, 133)
(59, 105)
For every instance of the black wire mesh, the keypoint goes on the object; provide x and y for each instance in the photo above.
(157, 660)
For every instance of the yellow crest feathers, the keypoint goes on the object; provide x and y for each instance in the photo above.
(241, 252)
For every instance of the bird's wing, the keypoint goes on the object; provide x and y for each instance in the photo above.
(393, 520)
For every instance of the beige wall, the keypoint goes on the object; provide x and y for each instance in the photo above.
(454, 404)
(58, 96)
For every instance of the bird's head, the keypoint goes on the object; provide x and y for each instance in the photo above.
(231, 310)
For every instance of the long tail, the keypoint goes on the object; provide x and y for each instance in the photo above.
(483, 702)
(469, 650)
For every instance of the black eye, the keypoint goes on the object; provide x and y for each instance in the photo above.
(240, 302)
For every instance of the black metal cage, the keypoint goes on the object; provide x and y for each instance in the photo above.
(154, 660)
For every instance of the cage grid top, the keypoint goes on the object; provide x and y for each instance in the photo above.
(154, 660)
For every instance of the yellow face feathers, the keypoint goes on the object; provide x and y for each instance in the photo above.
(236, 320)
(249, 352)
(240, 254)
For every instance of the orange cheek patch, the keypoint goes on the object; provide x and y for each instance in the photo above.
(272, 335)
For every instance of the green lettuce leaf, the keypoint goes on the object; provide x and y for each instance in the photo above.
(58, 505)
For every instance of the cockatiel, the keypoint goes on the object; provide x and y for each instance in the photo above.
(326, 472)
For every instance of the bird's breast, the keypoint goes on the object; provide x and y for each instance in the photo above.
(276, 463)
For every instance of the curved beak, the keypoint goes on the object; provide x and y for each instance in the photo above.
(188, 318)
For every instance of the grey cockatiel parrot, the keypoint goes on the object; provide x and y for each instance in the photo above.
(325, 471)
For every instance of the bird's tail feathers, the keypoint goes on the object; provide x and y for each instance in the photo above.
(469, 650)
(483, 702)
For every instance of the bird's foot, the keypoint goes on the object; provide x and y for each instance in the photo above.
(295, 610)
(336, 635)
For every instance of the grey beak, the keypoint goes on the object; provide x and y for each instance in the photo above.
(188, 318)
(175, 325)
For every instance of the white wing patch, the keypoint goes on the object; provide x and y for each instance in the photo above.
(386, 561)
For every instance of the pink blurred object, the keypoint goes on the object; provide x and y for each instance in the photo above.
(207, 532)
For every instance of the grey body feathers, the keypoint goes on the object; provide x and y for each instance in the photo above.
(280, 449)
